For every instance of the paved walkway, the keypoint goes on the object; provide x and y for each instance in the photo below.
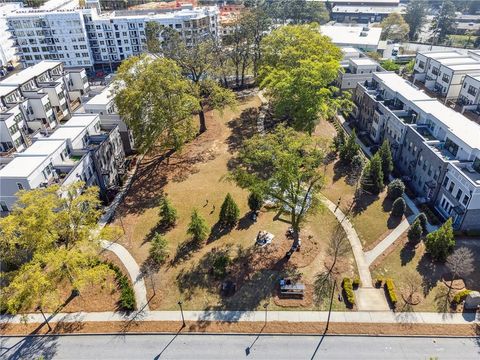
(133, 270)
(384, 317)
(355, 243)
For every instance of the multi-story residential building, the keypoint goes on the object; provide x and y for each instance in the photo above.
(469, 96)
(103, 103)
(356, 67)
(78, 150)
(444, 72)
(86, 37)
(7, 44)
(45, 94)
(361, 14)
(435, 148)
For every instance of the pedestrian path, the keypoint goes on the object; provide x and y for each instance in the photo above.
(372, 317)
(355, 243)
(133, 270)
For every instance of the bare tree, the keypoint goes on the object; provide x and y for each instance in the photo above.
(411, 285)
(460, 263)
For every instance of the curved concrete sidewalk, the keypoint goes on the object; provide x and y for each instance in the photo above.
(133, 270)
(355, 243)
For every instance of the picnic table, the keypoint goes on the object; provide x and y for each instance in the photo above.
(288, 288)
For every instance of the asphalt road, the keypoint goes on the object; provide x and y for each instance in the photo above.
(236, 347)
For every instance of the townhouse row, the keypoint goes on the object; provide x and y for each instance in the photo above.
(88, 37)
(452, 75)
(435, 149)
(47, 146)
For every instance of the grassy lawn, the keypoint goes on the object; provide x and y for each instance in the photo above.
(405, 263)
(195, 178)
(370, 214)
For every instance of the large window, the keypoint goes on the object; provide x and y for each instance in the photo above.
(451, 147)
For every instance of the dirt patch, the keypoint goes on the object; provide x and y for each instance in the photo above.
(275, 327)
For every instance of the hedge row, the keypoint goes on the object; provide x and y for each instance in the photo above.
(348, 289)
(127, 295)
(391, 291)
(460, 296)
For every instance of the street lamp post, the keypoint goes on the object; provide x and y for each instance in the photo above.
(265, 306)
(181, 311)
(39, 308)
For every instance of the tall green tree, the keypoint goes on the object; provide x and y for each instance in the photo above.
(415, 232)
(350, 149)
(415, 16)
(197, 228)
(441, 242)
(285, 166)
(156, 102)
(168, 214)
(36, 261)
(372, 180)
(298, 65)
(443, 23)
(387, 161)
(153, 31)
(255, 200)
(198, 62)
(158, 251)
(229, 212)
(394, 27)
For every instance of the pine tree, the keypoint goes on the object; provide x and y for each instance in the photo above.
(168, 214)
(415, 231)
(197, 228)
(229, 213)
(158, 251)
(373, 176)
(339, 140)
(255, 201)
(387, 161)
(398, 207)
(350, 148)
(441, 243)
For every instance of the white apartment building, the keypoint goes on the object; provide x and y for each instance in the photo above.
(470, 91)
(45, 93)
(444, 72)
(79, 150)
(86, 37)
(7, 43)
(355, 68)
(364, 38)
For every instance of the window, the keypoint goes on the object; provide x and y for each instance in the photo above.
(446, 78)
(451, 187)
(20, 186)
(472, 90)
(445, 181)
(459, 194)
(451, 147)
(465, 200)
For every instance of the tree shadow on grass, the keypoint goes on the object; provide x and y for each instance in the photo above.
(394, 221)
(407, 253)
(184, 251)
(242, 127)
(217, 231)
(387, 204)
(340, 170)
(431, 273)
(245, 222)
(362, 201)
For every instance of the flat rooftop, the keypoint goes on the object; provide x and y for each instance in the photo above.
(463, 128)
(457, 61)
(22, 166)
(474, 77)
(364, 62)
(42, 148)
(103, 98)
(83, 120)
(475, 67)
(30, 72)
(64, 133)
(441, 54)
(358, 9)
(352, 35)
(7, 89)
(401, 86)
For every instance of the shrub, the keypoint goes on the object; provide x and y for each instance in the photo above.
(348, 289)
(168, 214)
(197, 228)
(220, 264)
(461, 296)
(398, 207)
(356, 283)
(158, 250)
(395, 189)
(255, 201)
(229, 213)
(423, 221)
(415, 231)
(127, 295)
(392, 296)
